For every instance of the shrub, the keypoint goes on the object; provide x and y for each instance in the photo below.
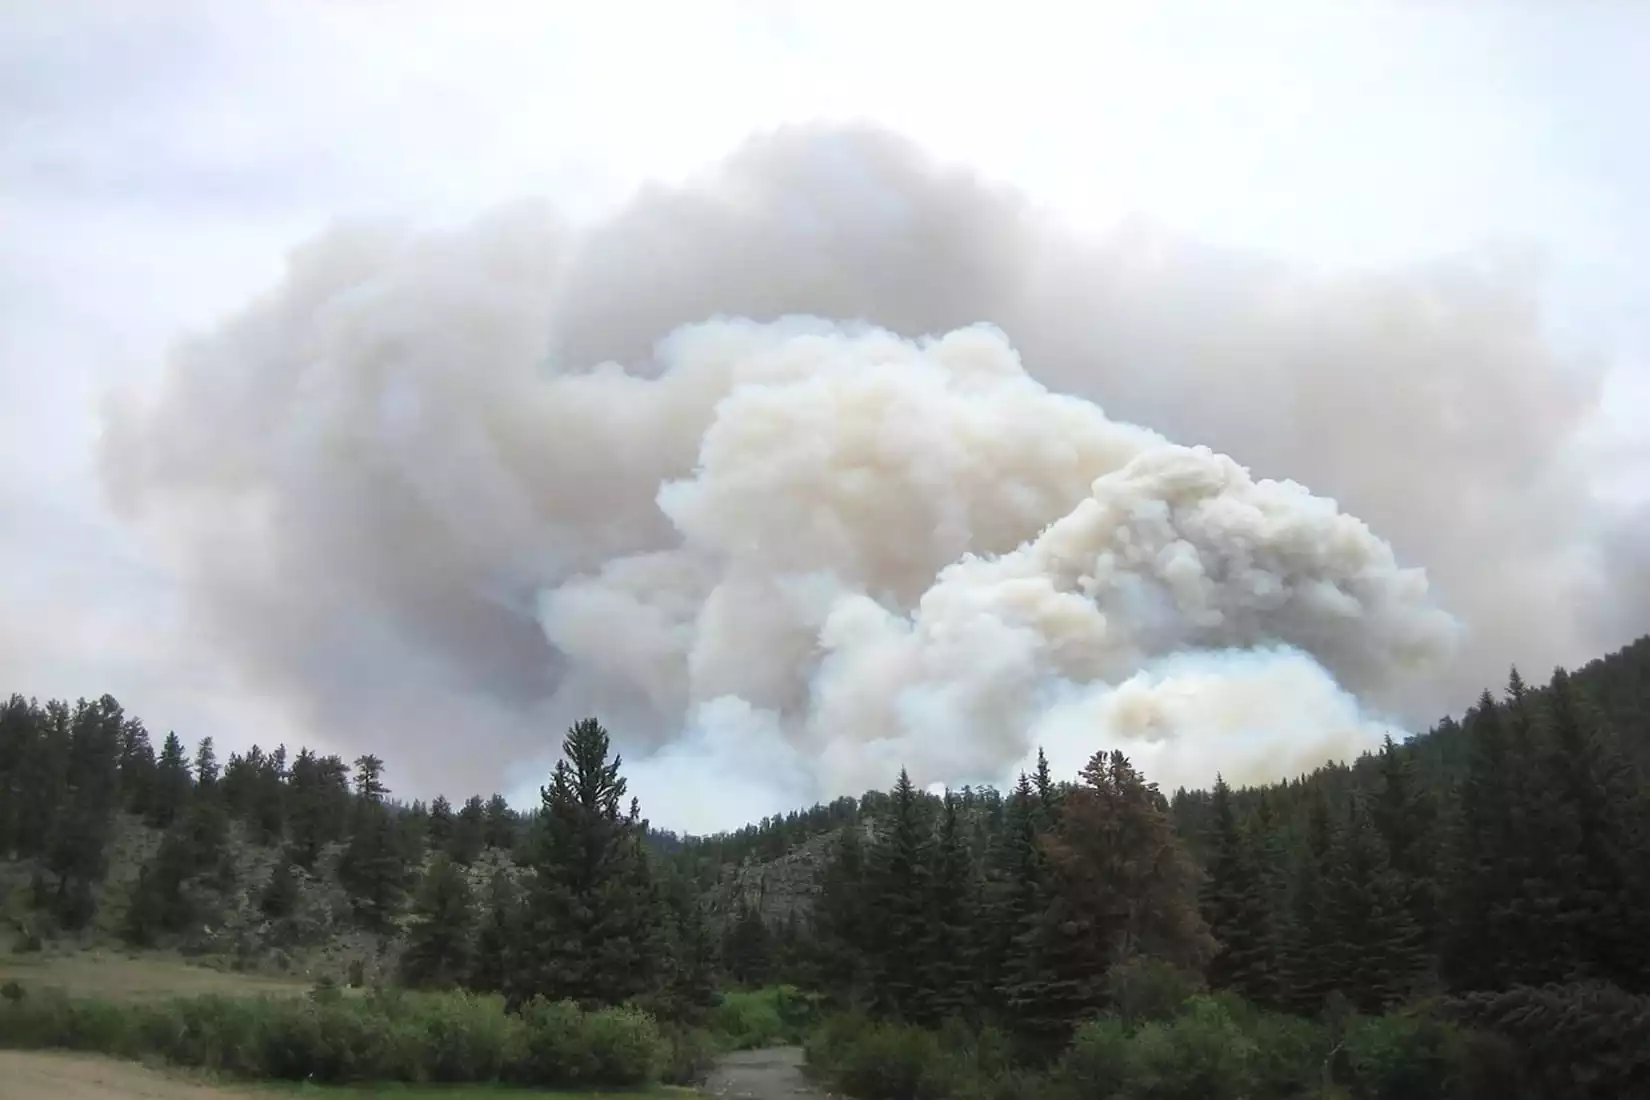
(385, 1036)
(688, 1055)
(1405, 1057)
(896, 1062)
(1288, 1055)
(1141, 990)
(1200, 1055)
(771, 1016)
(1098, 1060)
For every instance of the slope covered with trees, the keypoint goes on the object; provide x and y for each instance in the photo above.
(1495, 869)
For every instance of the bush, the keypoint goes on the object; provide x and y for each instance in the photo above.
(1213, 1048)
(1405, 1057)
(385, 1036)
(1098, 1060)
(766, 1017)
(1200, 1055)
(1142, 990)
(689, 1054)
(896, 1062)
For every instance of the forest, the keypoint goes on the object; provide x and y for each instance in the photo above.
(1463, 913)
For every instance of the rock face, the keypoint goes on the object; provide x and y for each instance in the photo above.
(780, 890)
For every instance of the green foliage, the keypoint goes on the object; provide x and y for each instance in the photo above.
(385, 1036)
(771, 1016)
(689, 1054)
(439, 951)
(593, 928)
(1213, 1048)
(1583, 1040)
(1405, 1057)
(1141, 990)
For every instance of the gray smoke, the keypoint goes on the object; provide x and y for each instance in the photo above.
(442, 493)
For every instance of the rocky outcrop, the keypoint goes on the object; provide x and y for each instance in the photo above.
(780, 890)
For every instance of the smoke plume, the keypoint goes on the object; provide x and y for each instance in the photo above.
(828, 463)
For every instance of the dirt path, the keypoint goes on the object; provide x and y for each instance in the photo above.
(772, 1074)
(28, 1075)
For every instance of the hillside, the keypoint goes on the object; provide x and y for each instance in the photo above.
(189, 860)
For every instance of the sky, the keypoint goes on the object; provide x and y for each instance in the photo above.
(160, 162)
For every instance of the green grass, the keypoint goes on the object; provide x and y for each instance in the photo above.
(462, 1092)
(110, 975)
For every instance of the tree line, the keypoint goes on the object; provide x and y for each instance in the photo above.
(1506, 850)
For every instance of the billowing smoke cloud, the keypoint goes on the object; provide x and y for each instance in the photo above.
(442, 493)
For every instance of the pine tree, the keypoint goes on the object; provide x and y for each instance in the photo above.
(158, 904)
(1589, 825)
(1311, 970)
(898, 879)
(1237, 909)
(1405, 814)
(86, 821)
(1478, 944)
(1048, 795)
(280, 896)
(1378, 955)
(20, 748)
(469, 831)
(592, 929)
(372, 869)
(173, 782)
(440, 829)
(499, 824)
(497, 935)
(136, 768)
(747, 946)
(1122, 885)
(439, 950)
(319, 798)
(841, 919)
(206, 768)
(691, 952)
(1013, 975)
(950, 985)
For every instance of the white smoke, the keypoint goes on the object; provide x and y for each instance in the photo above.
(445, 494)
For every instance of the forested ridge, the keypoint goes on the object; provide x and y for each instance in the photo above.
(1490, 875)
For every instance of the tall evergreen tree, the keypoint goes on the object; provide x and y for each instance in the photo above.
(950, 985)
(439, 951)
(173, 782)
(1590, 821)
(86, 821)
(1237, 909)
(1378, 953)
(440, 829)
(136, 768)
(499, 824)
(1311, 969)
(497, 935)
(1478, 944)
(747, 946)
(1013, 976)
(1121, 885)
(373, 868)
(898, 878)
(1405, 813)
(842, 919)
(469, 835)
(592, 929)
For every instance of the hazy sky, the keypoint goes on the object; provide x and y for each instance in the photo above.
(158, 160)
